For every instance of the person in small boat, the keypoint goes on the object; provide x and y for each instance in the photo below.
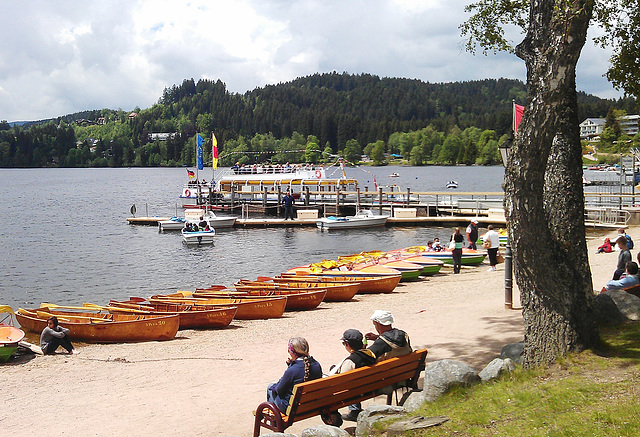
(457, 241)
(623, 257)
(430, 246)
(472, 234)
(436, 245)
(288, 202)
(605, 247)
(629, 279)
(300, 367)
(54, 335)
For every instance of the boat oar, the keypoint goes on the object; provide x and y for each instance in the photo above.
(44, 314)
(54, 306)
(264, 278)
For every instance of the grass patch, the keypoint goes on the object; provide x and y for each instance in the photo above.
(592, 393)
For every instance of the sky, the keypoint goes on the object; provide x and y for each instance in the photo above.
(60, 57)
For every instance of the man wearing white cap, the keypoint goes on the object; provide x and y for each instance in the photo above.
(472, 234)
(389, 342)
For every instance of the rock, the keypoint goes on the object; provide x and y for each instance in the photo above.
(414, 401)
(324, 431)
(400, 427)
(278, 434)
(497, 368)
(513, 351)
(628, 304)
(442, 375)
(606, 311)
(374, 414)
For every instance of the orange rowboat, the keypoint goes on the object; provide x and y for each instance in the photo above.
(248, 309)
(191, 316)
(94, 327)
(368, 283)
(297, 300)
(336, 291)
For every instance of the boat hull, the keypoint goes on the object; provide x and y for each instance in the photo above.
(121, 329)
(198, 238)
(369, 283)
(9, 338)
(296, 300)
(336, 291)
(190, 316)
(468, 259)
(248, 309)
(350, 222)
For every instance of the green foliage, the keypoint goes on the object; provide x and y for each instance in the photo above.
(285, 123)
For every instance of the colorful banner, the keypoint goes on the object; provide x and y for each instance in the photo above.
(518, 112)
(214, 151)
(199, 142)
(191, 174)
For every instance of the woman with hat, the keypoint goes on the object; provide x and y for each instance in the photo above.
(301, 367)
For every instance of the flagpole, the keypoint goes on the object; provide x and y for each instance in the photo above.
(513, 116)
(196, 156)
(213, 169)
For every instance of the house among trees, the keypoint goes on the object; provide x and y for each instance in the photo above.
(594, 127)
(133, 115)
(161, 136)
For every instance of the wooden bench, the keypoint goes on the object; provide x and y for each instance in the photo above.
(324, 395)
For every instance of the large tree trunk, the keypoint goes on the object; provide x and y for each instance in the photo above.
(544, 199)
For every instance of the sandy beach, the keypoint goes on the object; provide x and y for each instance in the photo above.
(208, 382)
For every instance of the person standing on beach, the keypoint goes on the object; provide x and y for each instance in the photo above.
(623, 257)
(494, 244)
(472, 234)
(54, 335)
(288, 202)
(455, 244)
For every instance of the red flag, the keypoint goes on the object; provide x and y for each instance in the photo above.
(375, 183)
(518, 111)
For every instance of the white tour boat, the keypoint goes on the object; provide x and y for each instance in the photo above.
(362, 219)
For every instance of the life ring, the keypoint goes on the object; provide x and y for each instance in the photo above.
(187, 193)
(318, 174)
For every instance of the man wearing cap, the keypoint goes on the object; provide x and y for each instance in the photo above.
(358, 357)
(623, 257)
(388, 341)
(472, 234)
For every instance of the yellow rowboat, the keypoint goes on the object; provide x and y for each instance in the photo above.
(248, 309)
(336, 291)
(297, 300)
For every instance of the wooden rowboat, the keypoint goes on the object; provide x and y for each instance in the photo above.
(336, 291)
(297, 300)
(95, 327)
(191, 316)
(369, 282)
(248, 309)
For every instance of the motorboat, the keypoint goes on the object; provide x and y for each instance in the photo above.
(197, 237)
(197, 216)
(394, 175)
(362, 219)
(452, 184)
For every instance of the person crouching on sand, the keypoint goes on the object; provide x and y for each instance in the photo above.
(54, 335)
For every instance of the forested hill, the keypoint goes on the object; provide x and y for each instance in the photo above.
(331, 111)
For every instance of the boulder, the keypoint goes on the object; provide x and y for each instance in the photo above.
(606, 311)
(324, 431)
(401, 427)
(628, 304)
(373, 414)
(278, 434)
(497, 368)
(513, 351)
(442, 375)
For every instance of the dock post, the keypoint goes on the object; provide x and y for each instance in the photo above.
(279, 200)
(306, 196)
(357, 199)
(338, 202)
(380, 200)
(408, 194)
(264, 197)
(233, 195)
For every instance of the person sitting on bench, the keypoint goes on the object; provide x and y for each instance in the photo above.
(301, 367)
(388, 341)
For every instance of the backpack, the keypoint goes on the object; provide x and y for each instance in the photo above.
(629, 242)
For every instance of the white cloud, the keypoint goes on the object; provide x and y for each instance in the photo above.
(66, 56)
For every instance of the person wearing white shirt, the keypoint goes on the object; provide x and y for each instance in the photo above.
(494, 244)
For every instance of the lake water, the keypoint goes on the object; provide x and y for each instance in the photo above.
(65, 237)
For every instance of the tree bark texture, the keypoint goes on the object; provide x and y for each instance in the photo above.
(544, 199)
